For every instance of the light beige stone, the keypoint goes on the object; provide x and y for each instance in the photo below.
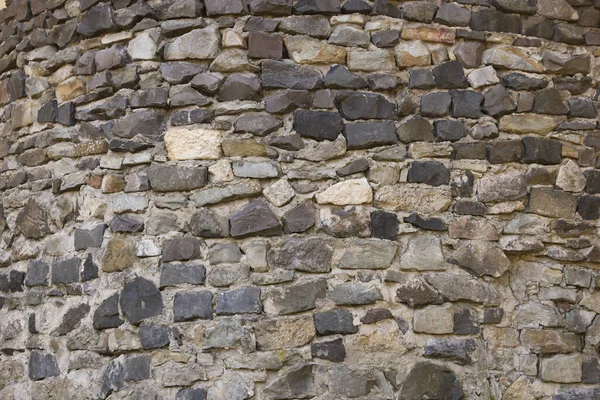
(220, 171)
(351, 191)
(280, 193)
(529, 123)
(570, 178)
(424, 253)
(306, 50)
(119, 254)
(371, 61)
(483, 77)
(427, 34)
(437, 320)
(414, 197)
(561, 368)
(411, 54)
(193, 143)
(511, 58)
(70, 89)
(199, 44)
(284, 333)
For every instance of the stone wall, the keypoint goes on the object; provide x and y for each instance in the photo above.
(277, 199)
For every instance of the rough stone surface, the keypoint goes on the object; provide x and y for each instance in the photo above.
(284, 199)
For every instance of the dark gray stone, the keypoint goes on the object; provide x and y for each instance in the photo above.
(168, 178)
(97, 20)
(384, 225)
(297, 382)
(387, 38)
(306, 254)
(332, 350)
(140, 300)
(223, 7)
(277, 8)
(495, 21)
(430, 224)
(428, 380)
(206, 83)
(465, 321)
(590, 370)
(450, 75)
(90, 269)
(280, 74)
(126, 223)
(421, 78)
(318, 125)
(429, 172)
(72, 318)
(191, 394)
(466, 103)
(334, 322)
(152, 97)
(493, 315)
(519, 81)
(548, 101)
(300, 218)
(48, 112)
(137, 367)
(356, 6)
(184, 95)
(382, 81)
(148, 123)
(286, 101)
(317, 7)
(37, 273)
(66, 271)
(468, 151)
(541, 151)
(42, 366)
(339, 77)
(207, 223)
(188, 117)
(86, 238)
(240, 87)
(181, 249)
(588, 207)
(365, 135)
(582, 107)
(178, 274)
(179, 72)
(265, 45)
(364, 105)
(592, 178)
(257, 124)
(453, 15)
(106, 315)
(354, 167)
(66, 114)
(255, 219)
(435, 104)
(416, 129)
(459, 351)
(449, 130)
(12, 282)
(385, 7)
(504, 152)
(497, 101)
(374, 315)
(192, 305)
(576, 85)
(239, 301)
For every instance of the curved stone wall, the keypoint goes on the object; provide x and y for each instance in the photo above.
(277, 199)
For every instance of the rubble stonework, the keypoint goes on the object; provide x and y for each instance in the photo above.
(293, 199)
